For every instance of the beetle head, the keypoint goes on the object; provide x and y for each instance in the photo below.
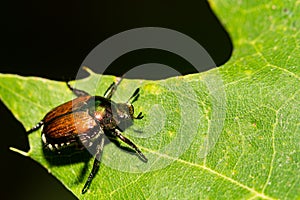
(125, 111)
(125, 114)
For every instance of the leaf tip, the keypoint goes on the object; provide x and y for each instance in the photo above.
(19, 151)
(88, 70)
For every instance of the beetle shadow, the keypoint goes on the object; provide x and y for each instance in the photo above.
(137, 131)
(73, 155)
(69, 156)
(116, 142)
(126, 149)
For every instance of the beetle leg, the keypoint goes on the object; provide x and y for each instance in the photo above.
(77, 92)
(95, 165)
(134, 97)
(36, 127)
(110, 91)
(112, 88)
(130, 143)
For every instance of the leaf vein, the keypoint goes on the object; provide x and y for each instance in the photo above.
(262, 195)
(22, 97)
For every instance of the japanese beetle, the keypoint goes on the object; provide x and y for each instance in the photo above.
(85, 120)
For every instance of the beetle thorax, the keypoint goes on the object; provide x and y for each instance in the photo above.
(115, 115)
(105, 119)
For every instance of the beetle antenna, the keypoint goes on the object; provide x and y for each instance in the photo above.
(140, 116)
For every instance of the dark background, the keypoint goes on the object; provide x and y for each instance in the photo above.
(51, 39)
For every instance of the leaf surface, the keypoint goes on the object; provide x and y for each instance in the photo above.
(232, 132)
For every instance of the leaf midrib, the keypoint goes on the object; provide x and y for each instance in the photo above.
(258, 194)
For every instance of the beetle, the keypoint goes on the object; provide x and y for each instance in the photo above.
(85, 120)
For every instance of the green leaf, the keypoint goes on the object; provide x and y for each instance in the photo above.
(232, 132)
